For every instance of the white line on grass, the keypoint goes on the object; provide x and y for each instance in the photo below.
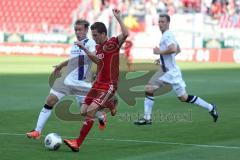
(140, 141)
(213, 81)
(169, 143)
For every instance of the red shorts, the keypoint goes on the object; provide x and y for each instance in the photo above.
(100, 93)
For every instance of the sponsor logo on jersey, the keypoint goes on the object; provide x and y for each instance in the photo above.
(100, 56)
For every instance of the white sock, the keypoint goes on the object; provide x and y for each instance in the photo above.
(99, 115)
(200, 102)
(42, 119)
(148, 105)
(80, 99)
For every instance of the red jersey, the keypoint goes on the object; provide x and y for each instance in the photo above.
(108, 67)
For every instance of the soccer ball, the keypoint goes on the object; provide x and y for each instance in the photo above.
(53, 141)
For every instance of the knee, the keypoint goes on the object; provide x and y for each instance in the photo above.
(83, 111)
(183, 98)
(149, 89)
(92, 109)
(51, 100)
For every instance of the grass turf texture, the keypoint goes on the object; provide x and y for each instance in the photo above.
(24, 86)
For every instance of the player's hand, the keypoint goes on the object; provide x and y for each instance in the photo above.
(57, 70)
(79, 44)
(156, 50)
(157, 62)
(94, 77)
(116, 13)
(178, 49)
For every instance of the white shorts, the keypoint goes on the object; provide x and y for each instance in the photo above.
(158, 85)
(60, 89)
(57, 94)
(174, 77)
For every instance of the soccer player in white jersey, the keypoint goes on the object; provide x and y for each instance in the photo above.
(75, 81)
(169, 74)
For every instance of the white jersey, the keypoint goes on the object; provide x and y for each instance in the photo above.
(168, 60)
(173, 73)
(80, 75)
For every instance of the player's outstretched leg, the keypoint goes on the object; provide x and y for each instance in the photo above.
(202, 103)
(100, 115)
(75, 144)
(42, 119)
(86, 127)
(148, 105)
(214, 113)
(44, 115)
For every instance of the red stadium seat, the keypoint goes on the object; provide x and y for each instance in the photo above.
(27, 15)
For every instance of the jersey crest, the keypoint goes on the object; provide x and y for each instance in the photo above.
(110, 47)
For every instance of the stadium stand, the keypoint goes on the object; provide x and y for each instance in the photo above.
(44, 16)
(36, 15)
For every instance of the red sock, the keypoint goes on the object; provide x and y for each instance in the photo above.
(87, 125)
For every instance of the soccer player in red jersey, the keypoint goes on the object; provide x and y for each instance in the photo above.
(105, 86)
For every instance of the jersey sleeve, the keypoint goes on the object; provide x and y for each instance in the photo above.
(169, 40)
(91, 46)
(71, 52)
(114, 39)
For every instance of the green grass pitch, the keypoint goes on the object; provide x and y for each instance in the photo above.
(24, 87)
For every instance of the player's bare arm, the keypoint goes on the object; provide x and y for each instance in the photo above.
(156, 61)
(171, 49)
(123, 36)
(178, 49)
(57, 68)
(91, 55)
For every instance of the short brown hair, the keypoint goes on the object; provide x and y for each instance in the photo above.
(82, 22)
(166, 16)
(100, 27)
